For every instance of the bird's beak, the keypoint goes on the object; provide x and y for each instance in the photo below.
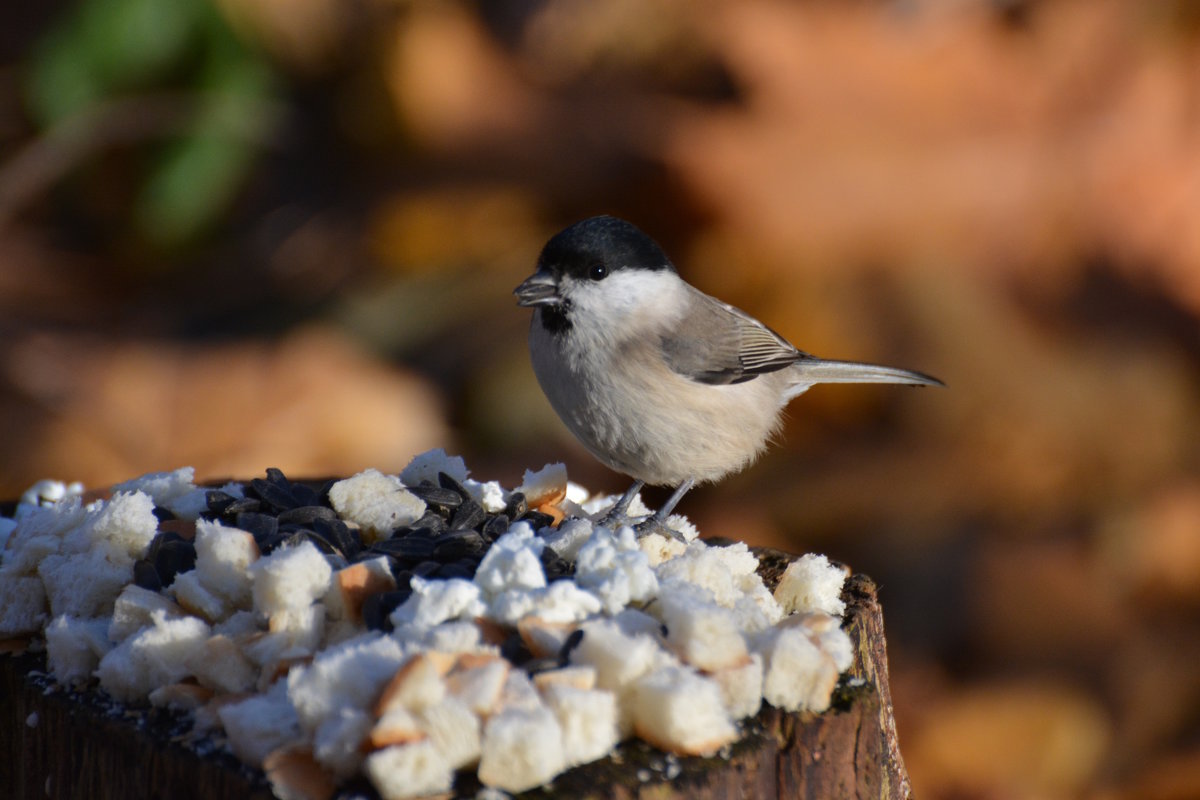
(539, 289)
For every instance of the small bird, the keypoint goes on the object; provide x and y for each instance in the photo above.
(658, 380)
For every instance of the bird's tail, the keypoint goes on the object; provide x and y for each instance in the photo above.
(811, 370)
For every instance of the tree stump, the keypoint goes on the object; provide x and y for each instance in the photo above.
(61, 743)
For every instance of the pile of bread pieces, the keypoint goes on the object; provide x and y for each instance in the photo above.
(286, 649)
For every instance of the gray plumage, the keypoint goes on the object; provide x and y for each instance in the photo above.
(657, 379)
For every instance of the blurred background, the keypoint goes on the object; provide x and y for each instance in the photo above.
(237, 234)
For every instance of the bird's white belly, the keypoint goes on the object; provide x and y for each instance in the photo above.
(638, 417)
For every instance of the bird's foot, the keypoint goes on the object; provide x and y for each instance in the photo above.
(619, 515)
(657, 524)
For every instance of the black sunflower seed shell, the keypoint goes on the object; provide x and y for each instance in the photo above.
(172, 558)
(306, 515)
(495, 527)
(517, 506)
(218, 501)
(447, 482)
(335, 530)
(242, 506)
(457, 569)
(454, 545)
(146, 576)
(437, 496)
(538, 520)
(573, 641)
(377, 608)
(467, 516)
(277, 496)
(260, 526)
(406, 548)
(514, 649)
(426, 568)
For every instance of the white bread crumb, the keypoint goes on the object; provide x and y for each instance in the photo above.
(568, 537)
(39, 533)
(290, 578)
(83, 585)
(618, 658)
(409, 770)
(223, 559)
(544, 639)
(160, 486)
(194, 597)
(134, 609)
(521, 749)
(354, 584)
(546, 486)
(433, 602)
(588, 719)
(451, 637)
(798, 676)
(294, 774)
(417, 684)
(582, 677)
(659, 548)
(681, 712)
(338, 741)
(239, 623)
(378, 503)
(175, 491)
(397, 725)
(518, 692)
(742, 687)
(490, 495)
(562, 601)
(222, 666)
(181, 696)
(155, 656)
(512, 562)
(22, 605)
(427, 465)
(613, 567)
(701, 632)
(455, 730)
(123, 527)
(260, 724)
(75, 646)
(811, 583)
(479, 687)
(716, 569)
(350, 674)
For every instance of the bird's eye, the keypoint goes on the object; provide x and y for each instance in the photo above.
(598, 272)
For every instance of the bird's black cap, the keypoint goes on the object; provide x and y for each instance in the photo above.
(608, 241)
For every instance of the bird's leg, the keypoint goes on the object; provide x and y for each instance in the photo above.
(619, 514)
(658, 522)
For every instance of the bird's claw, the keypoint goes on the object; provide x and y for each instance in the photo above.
(655, 524)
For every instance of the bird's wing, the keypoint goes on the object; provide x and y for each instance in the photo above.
(716, 343)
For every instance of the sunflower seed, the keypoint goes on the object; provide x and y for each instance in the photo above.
(405, 548)
(377, 608)
(457, 569)
(495, 527)
(306, 515)
(468, 516)
(459, 544)
(260, 526)
(218, 501)
(146, 576)
(517, 506)
(173, 557)
(437, 497)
